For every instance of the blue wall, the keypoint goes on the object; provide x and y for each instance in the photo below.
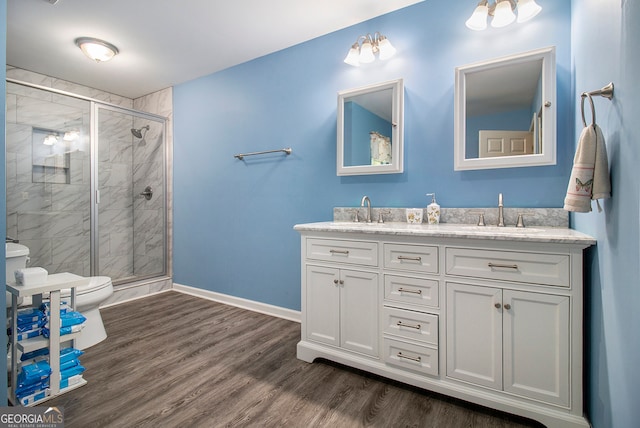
(3, 199)
(234, 219)
(605, 48)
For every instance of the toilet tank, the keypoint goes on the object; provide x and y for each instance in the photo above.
(17, 255)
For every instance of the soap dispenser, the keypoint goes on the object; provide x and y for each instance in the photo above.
(433, 210)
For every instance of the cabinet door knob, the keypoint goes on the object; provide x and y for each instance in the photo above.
(497, 305)
(341, 282)
(335, 281)
(507, 306)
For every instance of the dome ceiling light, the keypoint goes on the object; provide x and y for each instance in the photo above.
(96, 49)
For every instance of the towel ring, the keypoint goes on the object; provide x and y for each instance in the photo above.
(593, 109)
(606, 91)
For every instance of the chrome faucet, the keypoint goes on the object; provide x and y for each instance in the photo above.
(500, 211)
(368, 201)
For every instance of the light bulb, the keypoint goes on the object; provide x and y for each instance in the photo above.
(386, 48)
(50, 140)
(527, 9)
(503, 14)
(478, 19)
(352, 57)
(366, 52)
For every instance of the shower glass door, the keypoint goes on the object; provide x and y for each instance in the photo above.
(86, 184)
(129, 199)
(48, 179)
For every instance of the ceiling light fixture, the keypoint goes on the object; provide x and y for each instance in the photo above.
(96, 49)
(502, 12)
(365, 53)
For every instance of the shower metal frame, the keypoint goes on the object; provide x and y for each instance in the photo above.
(93, 165)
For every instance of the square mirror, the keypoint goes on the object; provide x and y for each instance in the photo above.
(370, 129)
(505, 114)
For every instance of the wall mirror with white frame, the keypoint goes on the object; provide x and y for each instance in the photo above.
(370, 129)
(505, 112)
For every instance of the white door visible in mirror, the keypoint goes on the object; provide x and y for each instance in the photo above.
(370, 125)
(505, 114)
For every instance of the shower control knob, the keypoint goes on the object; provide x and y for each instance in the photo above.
(148, 193)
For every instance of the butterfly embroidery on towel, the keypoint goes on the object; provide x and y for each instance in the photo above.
(586, 186)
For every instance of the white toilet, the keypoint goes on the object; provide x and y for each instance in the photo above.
(88, 297)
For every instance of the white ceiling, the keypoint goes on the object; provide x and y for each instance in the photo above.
(163, 43)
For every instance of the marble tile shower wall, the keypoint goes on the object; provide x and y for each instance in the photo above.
(148, 160)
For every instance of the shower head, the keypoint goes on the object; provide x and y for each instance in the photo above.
(138, 132)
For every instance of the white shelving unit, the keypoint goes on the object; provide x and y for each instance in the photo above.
(54, 284)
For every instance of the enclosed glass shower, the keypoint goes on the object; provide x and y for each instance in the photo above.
(86, 184)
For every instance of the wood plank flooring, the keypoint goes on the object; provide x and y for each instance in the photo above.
(174, 360)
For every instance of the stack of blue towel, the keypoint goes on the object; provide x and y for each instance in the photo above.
(34, 375)
(30, 323)
(33, 322)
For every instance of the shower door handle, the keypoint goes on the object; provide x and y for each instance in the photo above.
(148, 193)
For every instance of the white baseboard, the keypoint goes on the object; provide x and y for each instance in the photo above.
(251, 305)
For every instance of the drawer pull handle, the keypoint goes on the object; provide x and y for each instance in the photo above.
(401, 324)
(407, 357)
(339, 251)
(497, 265)
(404, 290)
(413, 259)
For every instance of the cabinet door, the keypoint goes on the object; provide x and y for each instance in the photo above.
(474, 334)
(536, 346)
(323, 305)
(359, 311)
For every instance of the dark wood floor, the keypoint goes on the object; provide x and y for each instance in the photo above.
(173, 360)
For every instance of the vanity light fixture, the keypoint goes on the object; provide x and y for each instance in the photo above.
(365, 53)
(96, 49)
(502, 12)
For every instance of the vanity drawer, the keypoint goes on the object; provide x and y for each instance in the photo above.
(535, 268)
(411, 325)
(422, 359)
(411, 258)
(334, 250)
(417, 291)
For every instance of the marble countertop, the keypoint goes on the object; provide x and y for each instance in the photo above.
(445, 230)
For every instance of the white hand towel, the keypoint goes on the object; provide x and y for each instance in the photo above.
(590, 173)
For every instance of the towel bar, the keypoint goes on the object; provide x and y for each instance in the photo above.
(242, 155)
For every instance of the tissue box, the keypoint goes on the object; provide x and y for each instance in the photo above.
(31, 276)
(414, 215)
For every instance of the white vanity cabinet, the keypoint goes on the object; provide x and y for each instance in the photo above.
(343, 308)
(493, 318)
(342, 300)
(515, 341)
